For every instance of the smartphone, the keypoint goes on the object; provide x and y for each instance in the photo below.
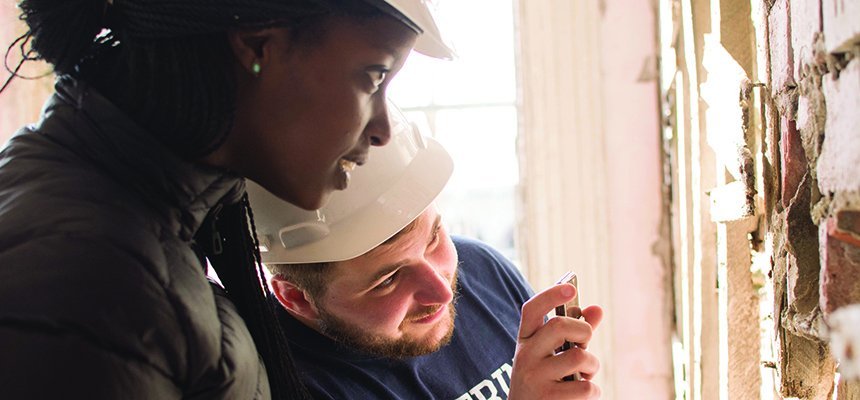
(569, 309)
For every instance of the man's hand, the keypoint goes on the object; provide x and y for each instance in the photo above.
(537, 372)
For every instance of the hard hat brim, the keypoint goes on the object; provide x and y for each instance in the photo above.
(416, 14)
(369, 226)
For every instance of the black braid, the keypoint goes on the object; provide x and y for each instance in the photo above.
(241, 273)
(167, 63)
(167, 87)
(258, 259)
(172, 18)
(62, 31)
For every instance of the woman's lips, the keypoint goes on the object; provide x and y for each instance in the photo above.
(345, 167)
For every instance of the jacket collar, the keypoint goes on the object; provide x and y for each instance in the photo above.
(183, 191)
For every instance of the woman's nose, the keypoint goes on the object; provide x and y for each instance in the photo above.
(379, 127)
(433, 287)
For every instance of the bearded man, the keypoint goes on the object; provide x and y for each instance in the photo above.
(379, 302)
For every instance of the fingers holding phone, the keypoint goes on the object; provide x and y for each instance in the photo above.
(540, 363)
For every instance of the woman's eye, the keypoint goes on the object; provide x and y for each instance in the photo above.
(377, 77)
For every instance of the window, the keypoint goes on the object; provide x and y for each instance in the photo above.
(469, 105)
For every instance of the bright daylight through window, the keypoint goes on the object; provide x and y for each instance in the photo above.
(469, 105)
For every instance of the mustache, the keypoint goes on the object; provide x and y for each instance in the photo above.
(424, 313)
(430, 310)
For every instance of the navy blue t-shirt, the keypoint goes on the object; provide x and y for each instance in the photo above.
(476, 364)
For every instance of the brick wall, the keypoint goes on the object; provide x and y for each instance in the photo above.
(783, 188)
(814, 88)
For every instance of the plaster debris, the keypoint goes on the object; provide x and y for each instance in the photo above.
(844, 325)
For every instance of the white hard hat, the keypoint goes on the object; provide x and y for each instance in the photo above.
(418, 15)
(393, 188)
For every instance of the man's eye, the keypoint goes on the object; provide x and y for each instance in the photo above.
(387, 282)
(436, 231)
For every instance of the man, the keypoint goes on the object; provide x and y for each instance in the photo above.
(376, 309)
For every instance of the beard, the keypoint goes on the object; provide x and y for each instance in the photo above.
(404, 347)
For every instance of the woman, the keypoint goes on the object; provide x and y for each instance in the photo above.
(112, 205)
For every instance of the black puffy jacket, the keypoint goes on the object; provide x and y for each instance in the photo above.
(101, 295)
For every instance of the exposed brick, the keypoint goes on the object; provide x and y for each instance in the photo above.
(804, 112)
(841, 24)
(804, 364)
(781, 53)
(805, 22)
(801, 286)
(811, 107)
(840, 153)
(793, 159)
(802, 243)
(840, 269)
(848, 389)
(806, 367)
(847, 227)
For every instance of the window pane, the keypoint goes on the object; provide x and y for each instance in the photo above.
(483, 72)
(482, 142)
(468, 104)
(479, 199)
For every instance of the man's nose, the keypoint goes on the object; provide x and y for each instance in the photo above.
(379, 127)
(433, 287)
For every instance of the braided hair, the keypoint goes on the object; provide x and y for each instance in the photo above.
(168, 65)
(233, 227)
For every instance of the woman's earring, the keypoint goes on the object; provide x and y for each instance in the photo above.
(255, 68)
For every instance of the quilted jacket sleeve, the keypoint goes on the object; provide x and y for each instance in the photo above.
(82, 320)
(42, 361)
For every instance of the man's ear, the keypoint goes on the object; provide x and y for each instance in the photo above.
(256, 47)
(293, 298)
